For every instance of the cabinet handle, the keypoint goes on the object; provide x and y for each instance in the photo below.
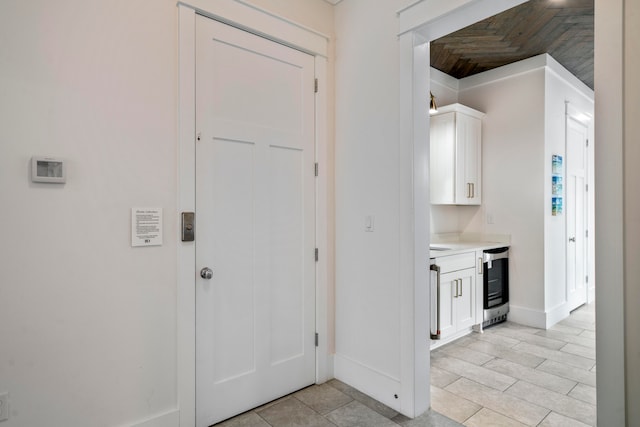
(480, 266)
(473, 190)
(457, 288)
(436, 268)
(468, 190)
(460, 288)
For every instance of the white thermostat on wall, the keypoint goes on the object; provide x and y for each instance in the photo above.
(48, 169)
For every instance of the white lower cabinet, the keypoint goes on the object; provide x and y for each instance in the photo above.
(457, 301)
(458, 296)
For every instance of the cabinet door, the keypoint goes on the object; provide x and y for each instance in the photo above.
(447, 301)
(457, 301)
(468, 160)
(442, 160)
(465, 300)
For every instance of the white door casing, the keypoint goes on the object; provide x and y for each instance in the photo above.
(576, 212)
(255, 208)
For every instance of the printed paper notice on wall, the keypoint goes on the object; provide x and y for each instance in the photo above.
(146, 227)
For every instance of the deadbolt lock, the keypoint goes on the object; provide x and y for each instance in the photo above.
(188, 227)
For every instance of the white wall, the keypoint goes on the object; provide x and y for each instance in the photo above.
(513, 177)
(443, 87)
(367, 183)
(88, 324)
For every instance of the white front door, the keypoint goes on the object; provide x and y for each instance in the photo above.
(255, 221)
(577, 135)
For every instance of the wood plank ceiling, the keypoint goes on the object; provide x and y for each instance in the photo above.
(561, 28)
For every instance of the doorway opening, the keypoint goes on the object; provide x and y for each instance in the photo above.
(496, 216)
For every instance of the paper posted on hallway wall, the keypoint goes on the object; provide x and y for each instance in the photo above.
(146, 227)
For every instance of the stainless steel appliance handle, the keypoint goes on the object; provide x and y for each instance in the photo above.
(493, 257)
(436, 268)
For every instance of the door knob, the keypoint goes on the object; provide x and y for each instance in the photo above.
(206, 273)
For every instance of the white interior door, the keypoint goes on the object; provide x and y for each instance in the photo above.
(577, 135)
(255, 213)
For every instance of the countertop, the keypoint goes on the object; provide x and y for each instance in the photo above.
(454, 248)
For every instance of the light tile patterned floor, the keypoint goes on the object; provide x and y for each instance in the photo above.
(329, 405)
(513, 375)
(510, 375)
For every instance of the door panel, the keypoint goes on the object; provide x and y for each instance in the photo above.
(230, 177)
(447, 301)
(576, 213)
(255, 204)
(443, 158)
(468, 134)
(287, 232)
(465, 303)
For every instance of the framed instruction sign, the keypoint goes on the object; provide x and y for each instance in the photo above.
(146, 227)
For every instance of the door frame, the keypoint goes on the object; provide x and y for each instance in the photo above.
(284, 31)
(419, 23)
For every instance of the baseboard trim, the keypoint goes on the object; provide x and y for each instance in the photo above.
(167, 419)
(557, 314)
(331, 363)
(527, 316)
(368, 381)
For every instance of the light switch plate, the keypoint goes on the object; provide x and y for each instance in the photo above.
(489, 218)
(369, 223)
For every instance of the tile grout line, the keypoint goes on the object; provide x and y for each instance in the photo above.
(474, 414)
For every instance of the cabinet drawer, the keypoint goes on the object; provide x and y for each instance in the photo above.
(456, 262)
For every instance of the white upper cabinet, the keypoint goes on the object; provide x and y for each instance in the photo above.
(456, 156)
